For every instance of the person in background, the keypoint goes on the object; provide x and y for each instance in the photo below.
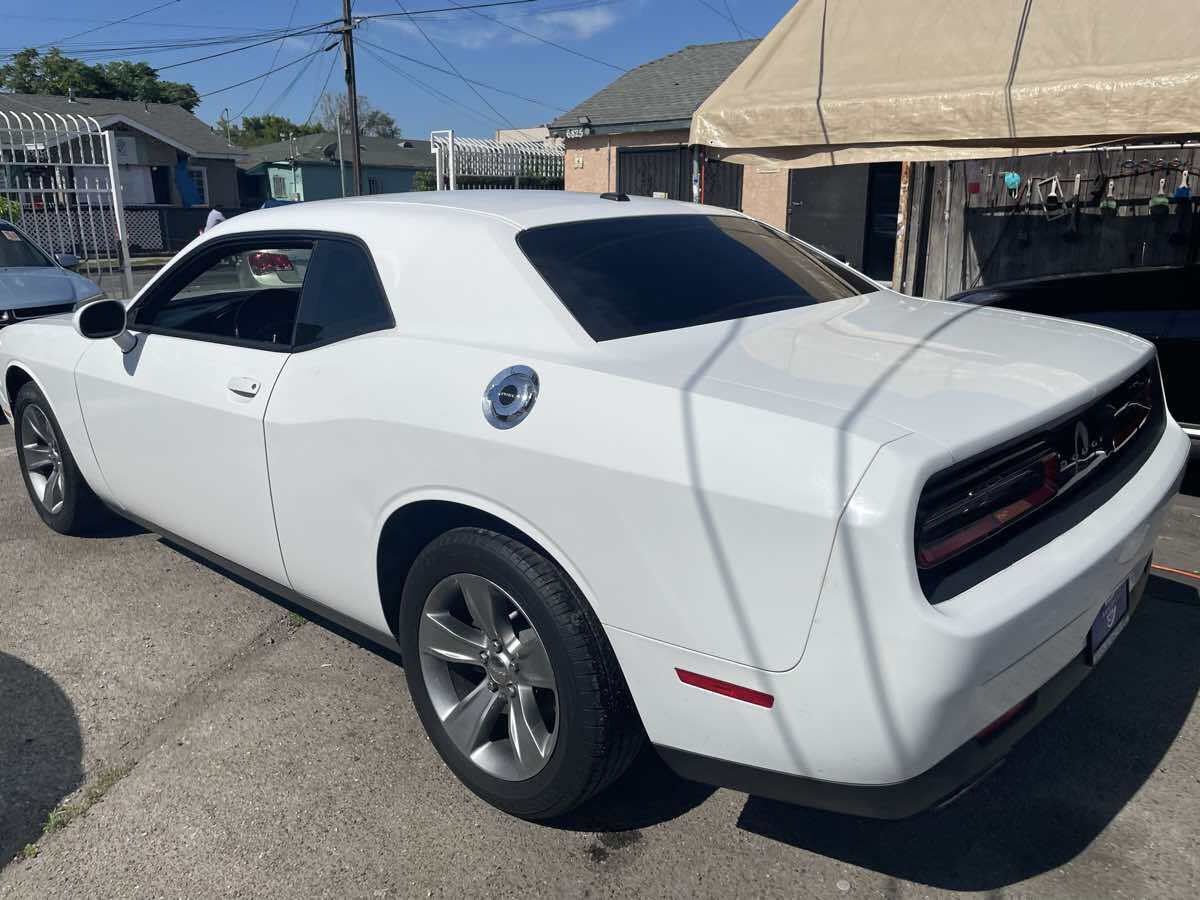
(215, 217)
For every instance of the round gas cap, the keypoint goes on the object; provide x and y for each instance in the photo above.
(510, 396)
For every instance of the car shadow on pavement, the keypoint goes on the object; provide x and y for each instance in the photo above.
(648, 794)
(1060, 787)
(115, 527)
(41, 752)
(279, 600)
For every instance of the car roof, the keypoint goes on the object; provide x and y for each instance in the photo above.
(519, 209)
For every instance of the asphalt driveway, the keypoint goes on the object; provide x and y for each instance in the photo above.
(168, 731)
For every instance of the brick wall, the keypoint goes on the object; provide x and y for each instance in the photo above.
(591, 163)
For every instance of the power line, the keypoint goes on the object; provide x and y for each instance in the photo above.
(425, 12)
(274, 59)
(291, 84)
(281, 38)
(265, 74)
(741, 33)
(430, 89)
(446, 60)
(181, 43)
(321, 93)
(483, 84)
(154, 24)
(187, 43)
(109, 24)
(727, 18)
(544, 40)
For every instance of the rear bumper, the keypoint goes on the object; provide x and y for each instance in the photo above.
(890, 688)
(949, 779)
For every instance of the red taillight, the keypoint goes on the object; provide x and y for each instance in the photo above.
(726, 688)
(973, 510)
(995, 727)
(263, 261)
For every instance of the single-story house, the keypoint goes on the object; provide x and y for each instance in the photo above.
(633, 137)
(167, 156)
(172, 168)
(306, 167)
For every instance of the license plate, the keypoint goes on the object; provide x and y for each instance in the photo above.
(1108, 624)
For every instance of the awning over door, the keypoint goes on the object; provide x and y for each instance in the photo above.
(849, 81)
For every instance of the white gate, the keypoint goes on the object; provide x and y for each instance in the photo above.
(473, 164)
(59, 183)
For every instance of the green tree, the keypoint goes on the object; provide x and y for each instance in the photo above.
(32, 72)
(139, 81)
(424, 180)
(265, 129)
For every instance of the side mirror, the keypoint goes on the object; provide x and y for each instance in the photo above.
(67, 260)
(102, 319)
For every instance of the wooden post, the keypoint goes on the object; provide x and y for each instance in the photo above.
(898, 257)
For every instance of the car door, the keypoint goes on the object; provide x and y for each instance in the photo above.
(176, 424)
(343, 378)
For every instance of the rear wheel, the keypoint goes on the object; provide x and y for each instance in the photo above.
(512, 676)
(58, 492)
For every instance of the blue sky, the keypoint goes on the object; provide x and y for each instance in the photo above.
(621, 32)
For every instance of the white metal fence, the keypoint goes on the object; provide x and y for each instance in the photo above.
(475, 164)
(59, 183)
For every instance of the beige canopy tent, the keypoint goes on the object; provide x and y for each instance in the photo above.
(852, 81)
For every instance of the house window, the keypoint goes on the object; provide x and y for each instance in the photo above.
(199, 176)
(278, 187)
(373, 186)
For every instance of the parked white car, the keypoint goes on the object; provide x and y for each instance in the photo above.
(608, 468)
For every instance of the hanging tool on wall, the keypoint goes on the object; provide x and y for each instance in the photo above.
(1052, 202)
(1108, 206)
(1012, 181)
(1183, 206)
(1183, 192)
(1075, 209)
(1160, 203)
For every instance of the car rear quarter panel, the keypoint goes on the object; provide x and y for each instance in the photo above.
(688, 518)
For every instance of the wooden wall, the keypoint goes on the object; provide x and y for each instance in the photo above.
(965, 230)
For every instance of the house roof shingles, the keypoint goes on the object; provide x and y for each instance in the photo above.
(311, 148)
(172, 122)
(664, 92)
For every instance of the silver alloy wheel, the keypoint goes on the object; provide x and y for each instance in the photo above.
(43, 458)
(488, 676)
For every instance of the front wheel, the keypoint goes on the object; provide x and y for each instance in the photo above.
(59, 493)
(512, 675)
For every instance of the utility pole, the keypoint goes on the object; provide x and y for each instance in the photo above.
(351, 95)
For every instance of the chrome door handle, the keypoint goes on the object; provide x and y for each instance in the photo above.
(244, 387)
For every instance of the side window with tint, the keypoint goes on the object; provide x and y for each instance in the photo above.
(246, 292)
(342, 296)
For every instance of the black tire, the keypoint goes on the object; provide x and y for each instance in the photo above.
(81, 511)
(598, 730)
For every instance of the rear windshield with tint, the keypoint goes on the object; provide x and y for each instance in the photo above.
(627, 276)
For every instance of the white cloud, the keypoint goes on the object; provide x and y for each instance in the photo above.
(302, 42)
(577, 23)
(473, 32)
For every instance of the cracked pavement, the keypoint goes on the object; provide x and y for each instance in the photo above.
(271, 754)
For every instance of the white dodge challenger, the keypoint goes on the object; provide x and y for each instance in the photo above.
(606, 469)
